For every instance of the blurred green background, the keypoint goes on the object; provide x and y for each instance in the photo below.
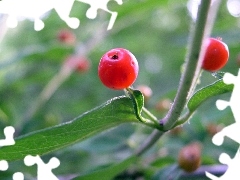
(156, 32)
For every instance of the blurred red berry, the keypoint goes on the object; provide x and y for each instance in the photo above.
(146, 91)
(163, 105)
(189, 158)
(80, 64)
(66, 36)
(213, 128)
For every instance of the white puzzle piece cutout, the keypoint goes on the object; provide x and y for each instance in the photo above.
(8, 141)
(8, 132)
(232, 131)
(44, 171)
(37, 9)
(3, 165)
(101, 4)
(233, 167)
(18, 176)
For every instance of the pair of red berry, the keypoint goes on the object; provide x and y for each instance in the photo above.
(118, 68)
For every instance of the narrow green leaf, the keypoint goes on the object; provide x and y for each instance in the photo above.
(114, 112)
(110, 172)
(138, 101)
(170, 172)
(217, 88)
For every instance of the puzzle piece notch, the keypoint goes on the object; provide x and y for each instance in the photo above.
(18, 176)
(95, 5)
(35, 10)
(3, 165)
(8, 132)
(233, 167)
(235, 97)
(44, 171)
(221, 104)
(231, 131)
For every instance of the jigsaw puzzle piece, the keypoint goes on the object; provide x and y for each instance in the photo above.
(63, 9)
(221, 104)
(44, 171)
(229, 78)
(3, 165)
(95, 5)
(233, 167)
(231, 131)
(8, 132)
(18, 176)
(235, 97)
(211, 176)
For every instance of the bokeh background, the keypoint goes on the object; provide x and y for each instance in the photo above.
(156, 32)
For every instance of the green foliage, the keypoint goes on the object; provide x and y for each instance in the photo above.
(114, 112)
(216, 88)
(109, 172)
(156, 32)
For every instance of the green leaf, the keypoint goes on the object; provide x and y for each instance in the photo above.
(138, 101)
(114, 112)
(108, 142)
(110, 172)
(171, 172)
(163, 161)
(217, 88)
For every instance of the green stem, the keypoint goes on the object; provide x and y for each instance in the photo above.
(200, 31)
(138, 102)
(183, 119)
(191, 67)
(150, 115)
(156, 134)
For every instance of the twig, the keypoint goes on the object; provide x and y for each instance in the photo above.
(217, 170)
(192, 68)
(156, 134)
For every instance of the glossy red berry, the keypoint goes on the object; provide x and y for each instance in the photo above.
(118, 69)
(216, 55)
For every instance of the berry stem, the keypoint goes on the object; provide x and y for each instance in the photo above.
(200, 31)
(149, 114)
(139, 108)
(184, 118)
(191, 69)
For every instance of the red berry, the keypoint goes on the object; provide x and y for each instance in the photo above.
(118, 69)
(66, 37)
(81, 64)
(216, 55)
(189, 158)
(163, 105)
(213, 129)
(146, 91)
